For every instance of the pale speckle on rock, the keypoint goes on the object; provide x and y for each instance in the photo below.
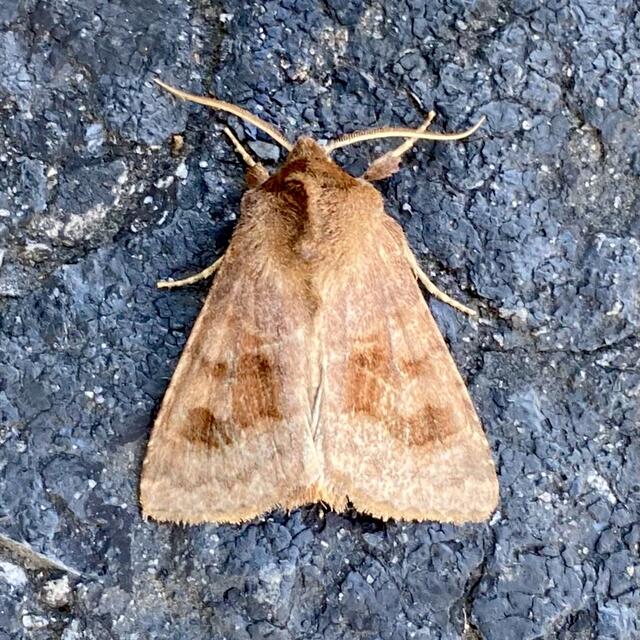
(12, 574)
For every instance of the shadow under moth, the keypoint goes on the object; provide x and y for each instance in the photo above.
(315, 371)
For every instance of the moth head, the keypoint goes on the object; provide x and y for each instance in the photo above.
(308, 149)
(309, 167)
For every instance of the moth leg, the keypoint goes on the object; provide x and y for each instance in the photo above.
(256, 174)
(387, 164)
(441, 295)
(210, 270)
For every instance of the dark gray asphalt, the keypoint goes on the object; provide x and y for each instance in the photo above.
(535, 221)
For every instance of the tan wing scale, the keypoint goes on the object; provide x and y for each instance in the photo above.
(399, 433)
(232, 439)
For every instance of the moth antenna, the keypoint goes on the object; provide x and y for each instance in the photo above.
(256, 174)
(229, 108)
(399, 132)
(408, 144)
(387, 164)
(244, 154)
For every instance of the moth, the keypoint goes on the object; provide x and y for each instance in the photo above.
(315, 371)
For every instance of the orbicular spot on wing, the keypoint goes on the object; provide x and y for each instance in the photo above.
(367, 371)
(214, 369)
(417, 367)
(374, 387)
(433, 370)
(204, 430)
(430, 426)
(256, 395)
(217, 370)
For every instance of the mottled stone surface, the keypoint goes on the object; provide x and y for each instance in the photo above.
(535, 221)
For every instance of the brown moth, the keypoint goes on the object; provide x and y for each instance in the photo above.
(315, 371)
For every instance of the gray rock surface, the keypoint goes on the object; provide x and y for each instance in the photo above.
(535, 221)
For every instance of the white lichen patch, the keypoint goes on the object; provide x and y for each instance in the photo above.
(57, 593)
(82, 225)
(597, 482)
(12, 574)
